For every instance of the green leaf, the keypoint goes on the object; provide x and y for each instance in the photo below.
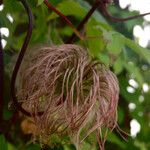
(104, 58)
(4, 22)
(135, 71)
(66, 147)
(79, 9)
(142, 52)
(69, 8)
(11, 147)
(87, 146)
(94, 38)
(114, 139)
(33, 147)
(3, 143)
(118, 66)
(40, 2)
(120, 115)
(115, 42)
(12, 6)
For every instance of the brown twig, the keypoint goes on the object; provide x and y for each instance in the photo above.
(85, 19)
(104, 11)
(64, 18)
(20, 57)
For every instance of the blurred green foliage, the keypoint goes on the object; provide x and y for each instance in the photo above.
(112, 43)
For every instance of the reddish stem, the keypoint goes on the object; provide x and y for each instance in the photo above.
(64, 18)
(85, 19)
(104, 11)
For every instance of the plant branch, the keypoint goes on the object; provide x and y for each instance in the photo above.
(85, 19)
(104, 11)
(64, 18)
(20, 58)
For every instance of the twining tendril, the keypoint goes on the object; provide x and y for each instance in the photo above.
(20, 58)
(103, 9)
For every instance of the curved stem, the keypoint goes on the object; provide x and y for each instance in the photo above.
(51, 7)
(20, 57)
(85, 19)
(105, 12)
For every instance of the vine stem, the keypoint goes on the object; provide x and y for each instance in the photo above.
(85, 19)
(64, 18)
(104, 11)
(20, 58)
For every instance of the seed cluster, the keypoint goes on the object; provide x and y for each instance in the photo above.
(75, 93)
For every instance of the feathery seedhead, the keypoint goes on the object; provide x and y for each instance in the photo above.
(75, 93)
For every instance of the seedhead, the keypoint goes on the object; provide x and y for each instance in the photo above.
(76, 94)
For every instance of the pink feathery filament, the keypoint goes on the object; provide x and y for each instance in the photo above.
(75, 93)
